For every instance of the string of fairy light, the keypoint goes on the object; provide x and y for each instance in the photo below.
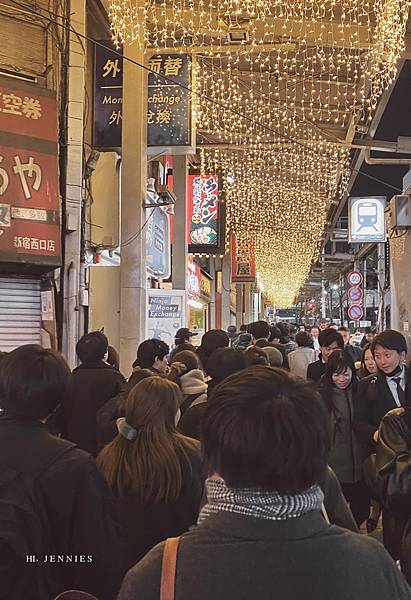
(279, 105)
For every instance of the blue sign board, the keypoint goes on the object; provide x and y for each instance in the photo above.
(108, 97)
(158, 243)
(169, 104)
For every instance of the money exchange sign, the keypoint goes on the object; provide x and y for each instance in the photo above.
(108, 97)
(29, 189)
(169, 104)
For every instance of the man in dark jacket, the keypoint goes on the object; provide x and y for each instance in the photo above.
(94, 383)
(260, 332)
(378, 394)
(353, 353)
(329, 340)
(261, 533)
(71, 538)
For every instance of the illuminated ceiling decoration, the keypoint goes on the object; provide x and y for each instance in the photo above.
(281, 83)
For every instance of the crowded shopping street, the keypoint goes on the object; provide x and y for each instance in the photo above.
(205, 299)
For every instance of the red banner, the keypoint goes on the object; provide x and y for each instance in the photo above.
(29, 187)
(242, 261)
(203, 211)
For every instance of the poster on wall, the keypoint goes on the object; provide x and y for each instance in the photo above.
(29, 188)
(242, 261)
(204, 215)
(166, 313)
(366, 219)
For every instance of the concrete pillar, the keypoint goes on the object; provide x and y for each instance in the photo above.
(212, 308)
(248, 307)
(74, 184)
(225, 295)
(381, 286)
(133, 275)
(239, 306)
(180, 248)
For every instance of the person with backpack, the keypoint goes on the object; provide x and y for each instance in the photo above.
(58, 529)
(186, 372)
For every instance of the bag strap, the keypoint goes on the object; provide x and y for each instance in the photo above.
(168, 569)
(187, 402)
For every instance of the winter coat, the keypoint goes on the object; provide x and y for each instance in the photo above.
(236, 557)
(300, 359)
(393, 477)
(75, 509)
(373, 401)
(147, 524)
(93, 385)
(316, 370)
(346, 456)
(110, 411)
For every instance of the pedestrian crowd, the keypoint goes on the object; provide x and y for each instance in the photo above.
(254, 465)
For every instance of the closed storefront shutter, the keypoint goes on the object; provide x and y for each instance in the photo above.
(20, 312)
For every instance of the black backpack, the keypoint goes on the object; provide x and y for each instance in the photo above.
(24, 534)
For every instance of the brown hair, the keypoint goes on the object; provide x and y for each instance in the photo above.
(151, 464)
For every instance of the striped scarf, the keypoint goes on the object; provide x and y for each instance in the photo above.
(256, 503)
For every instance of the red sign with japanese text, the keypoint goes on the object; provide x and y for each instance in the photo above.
(30, 229)
(242, 261)
(203, 214)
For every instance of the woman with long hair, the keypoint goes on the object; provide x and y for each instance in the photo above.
(338, 387)
(368, 364)
(154, 472)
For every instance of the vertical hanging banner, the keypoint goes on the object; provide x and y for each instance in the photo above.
(242, 261)
(29, 189)
(108, 96)
(169, 118)
(204, 215)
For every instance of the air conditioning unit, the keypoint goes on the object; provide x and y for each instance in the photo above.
(401, 212)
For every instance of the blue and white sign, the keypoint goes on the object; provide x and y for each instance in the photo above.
(158, 259)
(166, 313)
(366, 219)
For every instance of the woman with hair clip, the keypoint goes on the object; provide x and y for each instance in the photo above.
(154, 472)
(393, 467)
(338, 387)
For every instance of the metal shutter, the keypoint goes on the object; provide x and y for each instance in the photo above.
(20, 312)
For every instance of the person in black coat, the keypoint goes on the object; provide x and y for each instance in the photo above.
(353, 353)
(393, 478)
(329, 340)
(261, 534)
(154, 472)
(94, 383)
(378, 394)
(72, 504)
(338, 387)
